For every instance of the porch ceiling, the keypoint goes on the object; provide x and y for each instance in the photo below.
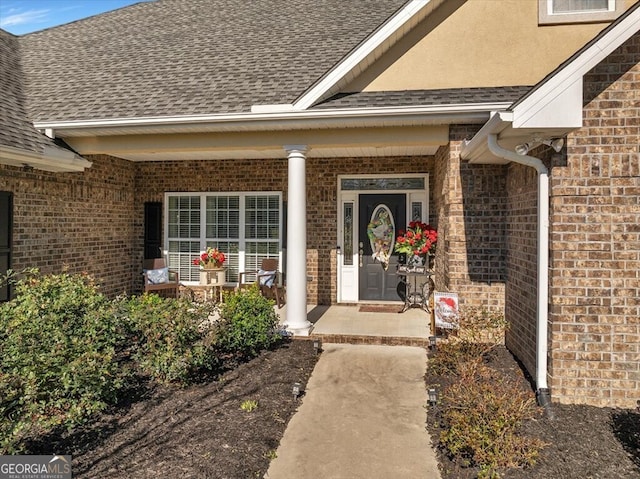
(322, 143)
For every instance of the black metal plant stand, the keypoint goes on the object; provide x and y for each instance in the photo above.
(415, 286)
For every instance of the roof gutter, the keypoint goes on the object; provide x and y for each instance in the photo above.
(542, 391)
(244, 120)
(51, 159)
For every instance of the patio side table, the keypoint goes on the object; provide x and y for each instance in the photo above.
(418, 287)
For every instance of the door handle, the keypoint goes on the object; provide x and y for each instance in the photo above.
(360, 254)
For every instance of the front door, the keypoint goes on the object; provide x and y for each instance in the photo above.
(380, 218)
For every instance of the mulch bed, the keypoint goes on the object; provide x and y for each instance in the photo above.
(582, 441)
(201, 431)
(197, 432)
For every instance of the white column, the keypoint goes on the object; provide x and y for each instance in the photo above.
(297, 242)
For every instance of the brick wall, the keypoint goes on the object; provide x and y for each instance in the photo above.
(154, 178)
(522, 259)
(595, 244)
(75, 221)
(470, 202)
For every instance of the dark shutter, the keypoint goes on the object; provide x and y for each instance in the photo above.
(6, 219)
(152, 230)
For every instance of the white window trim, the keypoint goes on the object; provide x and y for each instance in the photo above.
(242, 240)
(547, 17)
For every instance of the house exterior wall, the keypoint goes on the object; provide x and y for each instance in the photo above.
(153, 179)
(595, 242)
(501, 42)
(521, 263)
(75, 222)
(470, 203)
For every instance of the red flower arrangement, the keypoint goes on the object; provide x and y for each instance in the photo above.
(211, 257)
(420, 238)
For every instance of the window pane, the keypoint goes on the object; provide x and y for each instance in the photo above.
(186, 240)
(181, 256)
(223, 217)
(256, 251)
(184, 217)
(416, 211)
(570, 6)
(262, 217)
(348, 234)
(231, 250)
(382, 184)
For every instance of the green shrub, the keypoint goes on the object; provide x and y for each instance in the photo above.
(168, 339)
(247, 325)
(482, 415)
(481, 330)
(58, 342)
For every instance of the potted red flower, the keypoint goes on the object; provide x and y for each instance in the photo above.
(418, 241)
(210, 259)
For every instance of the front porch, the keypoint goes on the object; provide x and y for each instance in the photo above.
(367, 324)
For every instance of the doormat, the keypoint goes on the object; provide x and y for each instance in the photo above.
(380, 308)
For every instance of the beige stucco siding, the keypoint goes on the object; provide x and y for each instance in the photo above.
(481, 43)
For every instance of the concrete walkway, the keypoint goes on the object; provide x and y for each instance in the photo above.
(363, 416)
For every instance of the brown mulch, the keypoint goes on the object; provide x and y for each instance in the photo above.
(197, 432)
(201, 431)
(583, 442)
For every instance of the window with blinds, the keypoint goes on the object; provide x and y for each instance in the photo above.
(577, 11)
(247, 227)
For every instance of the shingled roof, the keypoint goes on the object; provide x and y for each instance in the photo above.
(446, 96)
(16, 131)
(178, 57)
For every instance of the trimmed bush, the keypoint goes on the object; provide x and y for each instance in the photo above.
(481, 330)
(168, 340)
(58, 342)
(483, 416)
(481, 411)
(247, 324)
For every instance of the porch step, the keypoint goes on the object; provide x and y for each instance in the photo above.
(367, 339)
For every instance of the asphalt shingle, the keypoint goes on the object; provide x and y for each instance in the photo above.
(189, 57)
(450, 96)
(16, 130)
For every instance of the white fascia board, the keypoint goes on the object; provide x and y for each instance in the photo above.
(271, 108)
(558, 102)
(245, 120)
(52, 159)
(476, 146)
(343, 68)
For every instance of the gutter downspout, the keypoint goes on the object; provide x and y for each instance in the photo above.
(542, 392)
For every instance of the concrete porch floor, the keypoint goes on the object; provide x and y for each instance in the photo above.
(347, 324)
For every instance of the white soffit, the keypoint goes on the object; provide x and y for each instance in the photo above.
(369, 51)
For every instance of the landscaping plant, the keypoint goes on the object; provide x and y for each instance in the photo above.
(58, 346)
(67, 351)
(247, 324)
(481, 413)
(167, 337)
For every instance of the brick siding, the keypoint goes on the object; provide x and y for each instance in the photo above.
(470, 206)
(155, 178)
(522, 259)
(595, 243)
(75, 222)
